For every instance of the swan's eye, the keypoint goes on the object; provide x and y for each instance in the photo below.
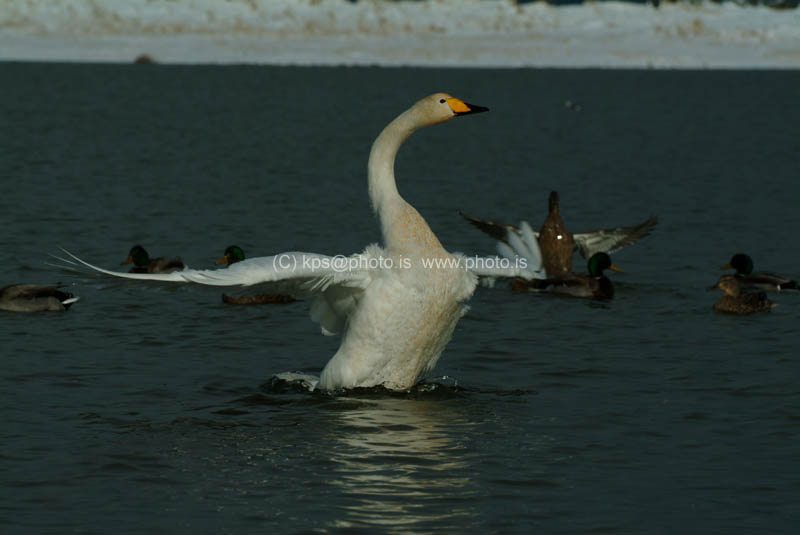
(441, 101)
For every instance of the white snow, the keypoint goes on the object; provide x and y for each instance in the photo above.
(464, 33)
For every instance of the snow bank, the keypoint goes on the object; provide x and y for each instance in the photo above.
(473, 33)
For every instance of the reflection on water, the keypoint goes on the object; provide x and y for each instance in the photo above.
(401, 467)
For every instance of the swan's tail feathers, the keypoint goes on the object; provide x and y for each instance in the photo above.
(523, 247)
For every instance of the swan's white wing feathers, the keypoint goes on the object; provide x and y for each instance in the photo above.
(77, 263)
(310, 273)
(335, 283)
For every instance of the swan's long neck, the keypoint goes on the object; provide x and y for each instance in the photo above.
(404, 230)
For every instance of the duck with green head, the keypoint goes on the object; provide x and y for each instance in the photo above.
(737, 301)
(34, 298)
(770, 282)
(142, 263)
(234, 254)
(591, 285)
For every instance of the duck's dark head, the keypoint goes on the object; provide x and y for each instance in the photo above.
(138, 256)
(600, 262)
(552, 203)
(741, 263)
(232, 255)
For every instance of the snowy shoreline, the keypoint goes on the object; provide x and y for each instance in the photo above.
(455, 33)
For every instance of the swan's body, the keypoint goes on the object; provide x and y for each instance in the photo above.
(396, 306)
(34, 298)
(558, 244)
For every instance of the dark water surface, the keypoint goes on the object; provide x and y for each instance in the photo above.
(149, 408)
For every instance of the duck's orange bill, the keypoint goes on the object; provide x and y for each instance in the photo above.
(128, 260)
(727, 266)
(612, 267)
(223, 260)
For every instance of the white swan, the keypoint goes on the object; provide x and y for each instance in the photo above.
(396, 306)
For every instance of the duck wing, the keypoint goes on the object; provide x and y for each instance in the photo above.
(498, 231)
(613, 239)
(768, 281)
(520, 255)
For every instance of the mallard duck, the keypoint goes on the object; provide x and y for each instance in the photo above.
(142, 263)
(34, 298)
(743, 265)
(593, 285)
(735, 301)
(233, 254)
(557, 244)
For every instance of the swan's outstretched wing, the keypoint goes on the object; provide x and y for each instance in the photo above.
(519, 256)
(76, 264)
(613, 239)
(334, 282)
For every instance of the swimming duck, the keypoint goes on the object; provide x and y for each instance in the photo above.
(142, 263)
(770, 282)
(233, 254)
(594, 285)
(557, 244)
(34, 298)
(395, 305)
(735, 301)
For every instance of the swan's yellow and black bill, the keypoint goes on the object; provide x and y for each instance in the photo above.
(223, 260)
(128, 260)
(460, 107)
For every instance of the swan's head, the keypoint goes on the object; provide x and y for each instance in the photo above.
(441, 107)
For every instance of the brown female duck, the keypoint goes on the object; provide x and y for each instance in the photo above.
(736, 301)
(557, 244)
